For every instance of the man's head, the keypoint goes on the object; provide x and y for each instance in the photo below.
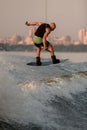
(52, 26)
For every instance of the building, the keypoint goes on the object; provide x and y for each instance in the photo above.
(83, 36)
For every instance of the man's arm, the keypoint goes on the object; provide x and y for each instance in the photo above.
(33, 23)
(45, 37)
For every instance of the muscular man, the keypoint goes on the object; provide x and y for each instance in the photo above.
(40, 40)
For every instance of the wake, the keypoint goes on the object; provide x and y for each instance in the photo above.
(48, 97)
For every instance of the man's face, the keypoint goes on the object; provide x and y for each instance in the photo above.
(53, 26)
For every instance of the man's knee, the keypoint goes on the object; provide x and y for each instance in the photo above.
(39, 48)
(50, 47)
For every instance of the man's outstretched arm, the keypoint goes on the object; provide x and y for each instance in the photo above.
(33, 23)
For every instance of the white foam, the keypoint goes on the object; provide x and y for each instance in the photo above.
(25, 91)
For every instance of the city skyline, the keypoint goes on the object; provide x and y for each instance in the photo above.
(66, 40)
(69, 16)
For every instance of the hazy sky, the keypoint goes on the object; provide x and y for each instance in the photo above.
(69, 15)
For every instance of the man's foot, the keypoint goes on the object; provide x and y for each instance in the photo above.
(38, 62)
(54, 60)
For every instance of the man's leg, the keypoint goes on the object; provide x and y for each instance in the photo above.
(38, 61)
(38, 52)
(51, 50)
(53, 57)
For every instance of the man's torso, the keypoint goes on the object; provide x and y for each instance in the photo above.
(41, 30)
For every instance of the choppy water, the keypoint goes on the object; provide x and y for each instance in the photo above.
(42, 98)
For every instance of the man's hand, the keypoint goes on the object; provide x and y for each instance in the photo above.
(45, 47)
(26, 23)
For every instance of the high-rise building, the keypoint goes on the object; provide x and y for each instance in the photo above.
(85, 38)
(82, 35)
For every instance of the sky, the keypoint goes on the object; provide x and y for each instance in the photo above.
(69, 15)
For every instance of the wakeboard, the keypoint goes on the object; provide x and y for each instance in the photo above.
(45, 63)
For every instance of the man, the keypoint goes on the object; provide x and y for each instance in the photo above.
(40, 40)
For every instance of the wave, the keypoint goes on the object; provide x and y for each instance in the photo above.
(42, 98)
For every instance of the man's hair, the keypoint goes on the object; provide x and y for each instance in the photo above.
(54, 24)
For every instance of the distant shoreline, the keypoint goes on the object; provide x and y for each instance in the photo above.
(59, 48)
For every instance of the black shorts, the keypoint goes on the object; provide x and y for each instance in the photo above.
(41, 44)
